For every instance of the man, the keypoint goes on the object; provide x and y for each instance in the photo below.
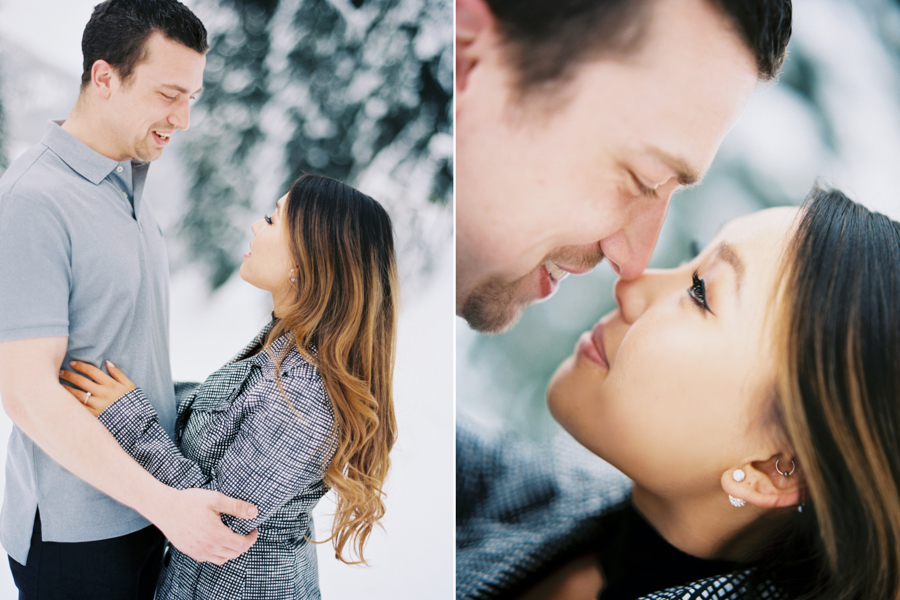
(84, 275)
(577, 121)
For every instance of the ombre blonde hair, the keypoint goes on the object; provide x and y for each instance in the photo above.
(343, 319)
(837, 402)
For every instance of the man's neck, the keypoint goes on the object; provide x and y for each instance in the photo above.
(85, 125)
(705, 525)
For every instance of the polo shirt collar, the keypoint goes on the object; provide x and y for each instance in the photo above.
(91, 165)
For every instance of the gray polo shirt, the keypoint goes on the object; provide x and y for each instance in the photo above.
(81, 256)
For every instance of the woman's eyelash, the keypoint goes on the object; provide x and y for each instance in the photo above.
(268, 219)
(697, 292)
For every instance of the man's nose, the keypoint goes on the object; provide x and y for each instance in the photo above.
(629, 249)
(181, 116)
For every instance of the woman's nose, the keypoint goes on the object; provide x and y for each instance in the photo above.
(254, 226)
(636, 296)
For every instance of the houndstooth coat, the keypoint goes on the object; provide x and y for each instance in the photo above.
(235, 433)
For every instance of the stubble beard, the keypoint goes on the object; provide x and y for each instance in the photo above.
(145, 152)
(493, 306)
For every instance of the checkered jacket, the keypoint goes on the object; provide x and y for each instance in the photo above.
(236, 433)
(521, 509)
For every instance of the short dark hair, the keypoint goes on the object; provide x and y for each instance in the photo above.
(548, 39)
(118, 29)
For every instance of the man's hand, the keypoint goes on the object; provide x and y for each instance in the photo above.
(39, 405)
(191, 522)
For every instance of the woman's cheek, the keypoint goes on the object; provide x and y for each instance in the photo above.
(654, 377)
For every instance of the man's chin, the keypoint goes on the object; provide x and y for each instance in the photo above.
(492, 315)
(147, 154)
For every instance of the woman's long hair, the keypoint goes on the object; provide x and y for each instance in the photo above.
(838, 402)
(343, 319)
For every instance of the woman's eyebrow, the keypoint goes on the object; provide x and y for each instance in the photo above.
(728, 254)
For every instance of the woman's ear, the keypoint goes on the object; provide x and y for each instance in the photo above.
(474, 23)
(760, 483)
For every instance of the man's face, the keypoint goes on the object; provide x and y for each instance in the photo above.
(552, 184)
(144, 111)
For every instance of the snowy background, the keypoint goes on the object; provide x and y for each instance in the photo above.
(356, 90)
(834, 115)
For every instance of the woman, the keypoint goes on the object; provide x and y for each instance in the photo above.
(305, 407)
(751, 395)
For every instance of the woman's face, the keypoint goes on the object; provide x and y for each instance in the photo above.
(268, 264)
(672, 387)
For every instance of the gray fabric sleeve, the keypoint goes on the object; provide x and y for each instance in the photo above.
(35, 268)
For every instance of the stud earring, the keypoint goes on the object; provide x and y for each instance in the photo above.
(738, 475)
(293, 279)
(736, 502)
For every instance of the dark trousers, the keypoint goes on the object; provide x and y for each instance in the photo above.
(122, 568)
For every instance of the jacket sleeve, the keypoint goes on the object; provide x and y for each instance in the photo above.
(276, 453)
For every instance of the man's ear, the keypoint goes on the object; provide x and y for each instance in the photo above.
(763, 485)
(474, 23)
(102, 76)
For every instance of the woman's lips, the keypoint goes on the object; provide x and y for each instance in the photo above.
(590, 346)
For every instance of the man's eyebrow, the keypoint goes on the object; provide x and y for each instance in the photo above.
(729, 255)
(178, 88)
(685, 173)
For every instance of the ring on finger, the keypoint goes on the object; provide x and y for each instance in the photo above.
(86, 398)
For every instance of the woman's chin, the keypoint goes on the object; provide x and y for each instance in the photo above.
(559, 387)
(575, 390)
(243, 272)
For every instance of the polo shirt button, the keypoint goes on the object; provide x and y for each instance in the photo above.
(124, 195)
(119, 169)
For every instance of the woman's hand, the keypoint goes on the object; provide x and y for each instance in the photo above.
(98, 390)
